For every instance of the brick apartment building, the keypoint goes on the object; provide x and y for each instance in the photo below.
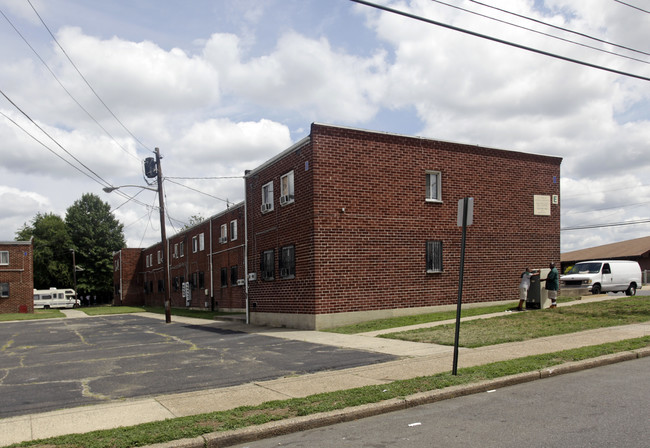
(16, 277)
(350, 225)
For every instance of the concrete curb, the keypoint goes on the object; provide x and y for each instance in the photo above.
(297, 424)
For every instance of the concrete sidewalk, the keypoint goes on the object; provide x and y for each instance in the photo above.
(417, 360)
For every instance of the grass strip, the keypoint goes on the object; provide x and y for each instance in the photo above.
(194, 426)
(405, 321)
(37, 314)
(534, 324)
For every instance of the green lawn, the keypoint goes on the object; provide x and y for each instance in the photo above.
(535, 324)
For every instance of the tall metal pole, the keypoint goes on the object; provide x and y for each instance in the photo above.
(163, 237)
(454, 370)
(74, 275)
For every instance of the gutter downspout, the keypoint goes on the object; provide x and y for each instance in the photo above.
(211, 273)
(248, 315)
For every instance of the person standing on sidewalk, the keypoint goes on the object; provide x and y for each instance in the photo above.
(524, 285)
(552, 285)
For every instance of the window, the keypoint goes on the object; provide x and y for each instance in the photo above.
(181, 248)
(433, 186)
(202, 241)
(286, 189)
(195, 244)
(288, 262)
(176, 250)
(224, 234)
(224, 277)
(233, 230)
(267, 264)
(4, 257)
(201, 280)
(194, 280)
(161, 285)
(267, 197)
(160, 257)
(117, 264)
(175, 284)
(434, 256)
(4, 290)
(234, 276)
(149, 260)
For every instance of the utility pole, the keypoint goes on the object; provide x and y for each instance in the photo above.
(163, 236)
(74, 275)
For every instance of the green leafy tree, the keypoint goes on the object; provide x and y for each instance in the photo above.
(194, 220)
(52, 256)
(96, 234)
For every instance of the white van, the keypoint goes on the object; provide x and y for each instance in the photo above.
(55, 298)
(604, 276)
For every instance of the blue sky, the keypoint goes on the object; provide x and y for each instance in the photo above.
(221, 86)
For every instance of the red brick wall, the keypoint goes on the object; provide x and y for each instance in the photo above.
(20, 276)
(361, 229)
(127, 290)
(291, 224)
(144, 280)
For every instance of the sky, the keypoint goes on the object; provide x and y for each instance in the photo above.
(89, 88)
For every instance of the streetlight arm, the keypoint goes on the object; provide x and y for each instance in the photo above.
(111, 189)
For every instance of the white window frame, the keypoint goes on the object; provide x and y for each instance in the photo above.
(4, 257)
(267, 197)
(431, 195)
(223, 234)
(175, 250)
(202, 241)
(4, 290)
(233, 230)
(287, 189)
(160, 257)
(195, 244)
(182, 248)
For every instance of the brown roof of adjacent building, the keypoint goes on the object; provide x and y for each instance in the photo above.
(630, 248)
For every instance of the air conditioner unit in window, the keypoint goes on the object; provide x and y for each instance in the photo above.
(241, 282)
(284, 272)
(223, 239)
(266, 207)
(284, 199)
(252, 276)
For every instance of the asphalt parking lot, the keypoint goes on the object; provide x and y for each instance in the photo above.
(61, 363)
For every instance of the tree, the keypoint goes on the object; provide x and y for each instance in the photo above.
(96, 234)
(194, 220)
(52, 244)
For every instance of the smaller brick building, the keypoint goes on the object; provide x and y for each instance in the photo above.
(16, 277)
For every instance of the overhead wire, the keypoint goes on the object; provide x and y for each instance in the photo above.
(84, 78)
(62, 86)
(632, 6)
(505, 22)
(497, 40)
(560, 28)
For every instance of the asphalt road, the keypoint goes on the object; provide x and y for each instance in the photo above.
(602, 407)
(62, 363)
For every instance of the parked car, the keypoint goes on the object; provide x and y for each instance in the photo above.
(604, 276)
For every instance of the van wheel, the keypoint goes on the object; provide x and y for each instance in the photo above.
(595, 289)
(631, 291)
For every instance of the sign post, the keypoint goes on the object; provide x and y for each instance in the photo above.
(465, 218)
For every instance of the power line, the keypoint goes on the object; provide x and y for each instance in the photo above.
(84, 78)
(505, 22)
(614, 224)
(501, 41)
(61, 84)
(632, 6)
(199, 191)
(560, 28)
